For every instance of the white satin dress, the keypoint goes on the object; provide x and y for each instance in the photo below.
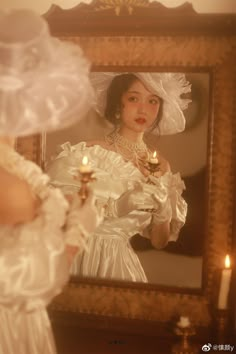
(109, 253)
(33, 263)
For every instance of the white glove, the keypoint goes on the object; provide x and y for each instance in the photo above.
(88, 214)
(134, 199)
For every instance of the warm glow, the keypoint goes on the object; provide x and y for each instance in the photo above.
(227, 261)
(85, 161)
(154, 154)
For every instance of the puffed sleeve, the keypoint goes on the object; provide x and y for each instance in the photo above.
(171, 206)
(33, 262)
(64, 170)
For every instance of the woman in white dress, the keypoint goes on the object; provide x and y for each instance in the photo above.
(40, 81)
(136, 202)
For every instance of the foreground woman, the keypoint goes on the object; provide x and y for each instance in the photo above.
(40, 81)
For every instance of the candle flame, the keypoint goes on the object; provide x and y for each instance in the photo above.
(227, 261)
(154, 154)
(85, 160)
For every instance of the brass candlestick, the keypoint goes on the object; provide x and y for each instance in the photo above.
(153, 167)
(85, 178)
(184, 347)
(222, 326)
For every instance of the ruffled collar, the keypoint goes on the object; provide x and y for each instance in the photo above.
(104, 159)
(114, 164)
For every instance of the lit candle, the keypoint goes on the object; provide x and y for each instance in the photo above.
(183, 322)
(225, 285)
(85, 168)
(154, 158)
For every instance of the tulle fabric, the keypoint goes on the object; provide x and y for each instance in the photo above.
(109, 252)
(44, 83)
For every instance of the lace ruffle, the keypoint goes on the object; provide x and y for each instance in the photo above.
(107, 161)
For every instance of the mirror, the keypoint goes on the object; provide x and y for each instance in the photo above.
(186, 252)
(154, 38)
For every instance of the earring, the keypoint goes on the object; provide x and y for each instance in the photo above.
(117, 115)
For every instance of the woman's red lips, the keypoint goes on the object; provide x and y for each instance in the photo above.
(140, 120)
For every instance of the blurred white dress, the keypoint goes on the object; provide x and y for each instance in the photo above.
(110, 254)
(33, 263)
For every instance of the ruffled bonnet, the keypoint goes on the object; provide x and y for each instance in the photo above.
(168, 86)
(44, 82)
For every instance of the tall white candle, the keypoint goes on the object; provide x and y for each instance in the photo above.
(225, 285)
(85, 166)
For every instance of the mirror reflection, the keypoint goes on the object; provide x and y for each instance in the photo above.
(147, 146)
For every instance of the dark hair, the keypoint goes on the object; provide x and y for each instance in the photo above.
(119, 85)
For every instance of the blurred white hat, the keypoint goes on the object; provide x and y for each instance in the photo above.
(44, 82)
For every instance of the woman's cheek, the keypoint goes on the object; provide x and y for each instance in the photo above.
(154, 110)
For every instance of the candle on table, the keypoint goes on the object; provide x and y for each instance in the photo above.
(224, 285)
(183, 322)
(85, 168)
(154, 158)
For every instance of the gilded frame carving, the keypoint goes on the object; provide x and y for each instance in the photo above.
(160, 52)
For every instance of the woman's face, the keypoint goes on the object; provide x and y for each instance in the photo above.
(139, 107)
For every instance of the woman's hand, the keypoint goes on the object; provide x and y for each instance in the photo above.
(88, 215)
(82, 221)
(131, 200)
(163, 167)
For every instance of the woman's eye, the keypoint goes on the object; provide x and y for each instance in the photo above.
(132, 99)
(154, 101)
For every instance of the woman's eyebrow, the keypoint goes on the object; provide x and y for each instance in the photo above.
(134, 92)
(137, 92)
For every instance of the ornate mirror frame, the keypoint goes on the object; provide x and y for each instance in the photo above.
(139, 35)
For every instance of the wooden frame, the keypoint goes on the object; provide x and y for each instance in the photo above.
(161, 39)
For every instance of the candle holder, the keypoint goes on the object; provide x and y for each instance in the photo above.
(184, 347)
(153, 167)
(222, 325)
(85, 178)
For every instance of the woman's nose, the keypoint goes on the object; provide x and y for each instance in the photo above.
(142, 107)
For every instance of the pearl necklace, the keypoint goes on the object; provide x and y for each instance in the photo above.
(135, 152)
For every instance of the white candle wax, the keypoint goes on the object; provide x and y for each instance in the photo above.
(225, 285)
(224, 288)
(154, 158)
(85, 168)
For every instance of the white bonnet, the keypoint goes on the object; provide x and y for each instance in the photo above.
(44, 82)
(168, 86)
